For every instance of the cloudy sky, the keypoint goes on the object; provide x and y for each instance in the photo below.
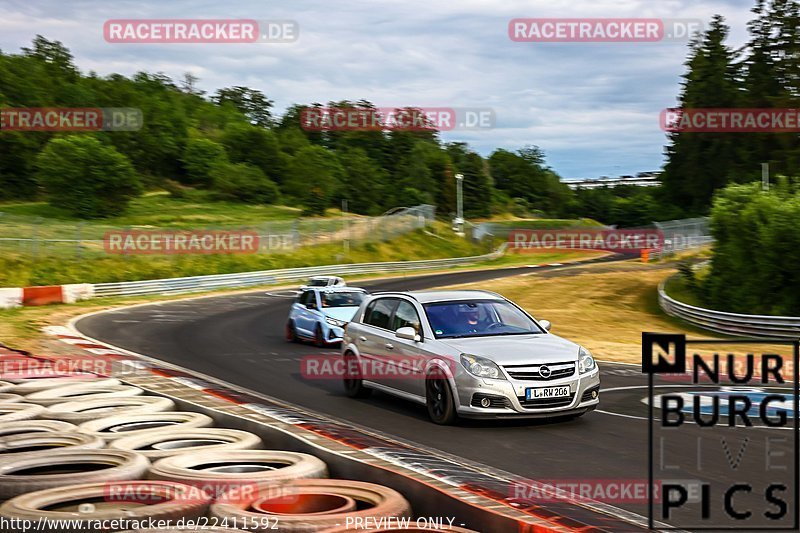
(593, 107)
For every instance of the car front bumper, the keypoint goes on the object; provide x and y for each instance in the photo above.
(507, 397)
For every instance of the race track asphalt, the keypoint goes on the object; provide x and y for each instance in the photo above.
(240, 339)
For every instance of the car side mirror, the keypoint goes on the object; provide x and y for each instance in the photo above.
(407, 333)
(546, 324)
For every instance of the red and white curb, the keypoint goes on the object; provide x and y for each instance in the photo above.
(50, 294)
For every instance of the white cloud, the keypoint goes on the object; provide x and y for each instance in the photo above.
(592, 107)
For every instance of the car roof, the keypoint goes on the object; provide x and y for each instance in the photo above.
(335, 289)
(324, 277)
(425, 297)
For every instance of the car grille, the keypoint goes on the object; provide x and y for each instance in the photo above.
(545, 403)
(531, 372)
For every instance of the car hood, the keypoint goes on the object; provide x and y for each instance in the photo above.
(517, 349)
(340, 313)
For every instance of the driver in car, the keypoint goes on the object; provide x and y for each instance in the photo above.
(469, 320)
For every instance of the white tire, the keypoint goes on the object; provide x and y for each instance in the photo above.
(158, 445)
(76, 393)
(12, 412)
(34, 426)
(6, 386)
(29, 386)
(78, 412)
(308, 505)
(47, 442)
(130, 503)
(115, 427)
(250, 466)
(30, 472)
(8, 397)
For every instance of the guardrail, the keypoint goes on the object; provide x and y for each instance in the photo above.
(730, 323)
(272, 277)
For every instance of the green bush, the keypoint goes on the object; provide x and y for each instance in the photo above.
(755, 267)
(199, 157)
(86, 178)
(244, 183)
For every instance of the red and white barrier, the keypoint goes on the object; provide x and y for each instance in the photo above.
(51, 294)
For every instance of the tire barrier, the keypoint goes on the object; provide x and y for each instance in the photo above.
(12, 412)
(47, 442)
(31, 472)
(34, 426)
(77, 393)
(180, 441)
(115, 427)
(30, 386)
(128, 500)
(6, 386)
(313, 504)
(78, 412)
(250, 466)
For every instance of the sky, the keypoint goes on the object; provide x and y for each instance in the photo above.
(592, 107)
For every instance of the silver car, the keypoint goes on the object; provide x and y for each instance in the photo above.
(466, 354)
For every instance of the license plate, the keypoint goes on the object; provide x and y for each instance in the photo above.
(547, 392)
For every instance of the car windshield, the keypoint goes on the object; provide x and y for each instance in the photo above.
(342, 299)
(318, 282)
(481, 318)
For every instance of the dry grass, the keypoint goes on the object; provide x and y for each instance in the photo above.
(603, 307)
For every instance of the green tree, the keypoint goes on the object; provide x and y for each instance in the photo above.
(199, 158)
(251, 102)
(257, 146)
(86, 178)
(700, 163)
(312, 178)
(243, 182)
(363, 182)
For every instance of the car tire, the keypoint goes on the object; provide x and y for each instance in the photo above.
(8, 397)
(67, 467)
(34, 426)
(319, 338)
(76, 393)
(92, 409)
(354, 388)
(29, 386)
(180, 441)
(45, 443)
(439, 399)
(5, 386)
(291, 332)
(170, 503)
(117, 427)
(236, 466)
(374, 502)
(14, 411)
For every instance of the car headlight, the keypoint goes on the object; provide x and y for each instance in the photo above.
(481, 367)
(585, 361)
(334, 322)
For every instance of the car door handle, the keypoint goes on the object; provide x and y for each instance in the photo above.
(389, 346)
(362, 338)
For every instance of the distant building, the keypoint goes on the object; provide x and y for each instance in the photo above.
(642, 179)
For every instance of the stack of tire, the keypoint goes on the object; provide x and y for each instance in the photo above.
(80, 449)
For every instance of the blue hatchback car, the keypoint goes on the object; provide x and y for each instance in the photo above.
(319, 314)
